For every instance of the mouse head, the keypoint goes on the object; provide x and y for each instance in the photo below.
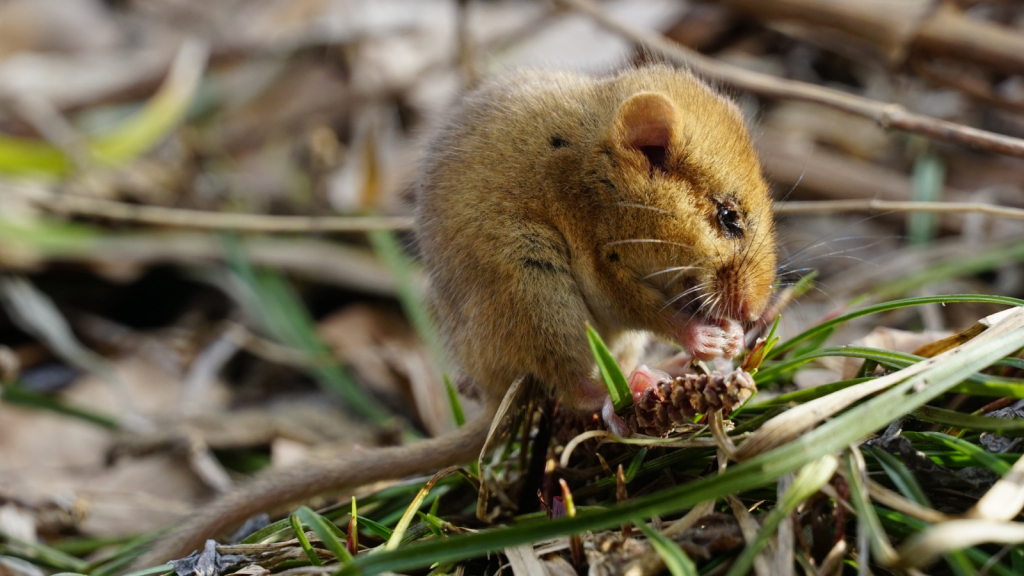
(684, 234)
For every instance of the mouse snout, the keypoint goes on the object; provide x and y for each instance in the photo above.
(742, 297)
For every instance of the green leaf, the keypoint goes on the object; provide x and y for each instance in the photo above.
(266, 532)
(323, 530)
(961, 266)
(618, 388)
(273, 301)
(133, 137)
(928, 177)
(887, 306)
(389, 250)
(375, 528)
(397, 536)
(1004, 426)
(808, 481)
(801, 396)
(161, 569)
(981, 384)
(900, 475)
(832, 436)
(676, 560)
(804, 284)
(880, 545)
(43, 554)
(453, 401)
(18, 394)
(979, 455)
(300, 535)
(634, 465)
(904, 526)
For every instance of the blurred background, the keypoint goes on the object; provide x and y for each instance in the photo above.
(151, 353)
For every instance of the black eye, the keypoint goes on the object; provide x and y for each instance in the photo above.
(729, 219)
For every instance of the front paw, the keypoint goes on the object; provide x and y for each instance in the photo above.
(641, 379)
(708, 338)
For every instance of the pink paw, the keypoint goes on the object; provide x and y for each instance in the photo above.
(708, 338)
(616, 425)
(645, 377)
(641, 380)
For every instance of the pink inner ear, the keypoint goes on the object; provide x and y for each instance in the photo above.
(645, 121)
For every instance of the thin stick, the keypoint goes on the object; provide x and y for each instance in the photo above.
(891, 116)
(833, 206)
(207, 220)
(69, 205)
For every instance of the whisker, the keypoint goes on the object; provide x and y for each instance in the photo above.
(877, 239)
(672, 269)
(837, 253)
(647, 241)
(683, 294)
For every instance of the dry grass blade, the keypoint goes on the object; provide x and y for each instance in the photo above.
(787, 426)
(924, 548)
(69, 205)
(689, 519)
(524, 561)
(897, 502)
(1004, 500)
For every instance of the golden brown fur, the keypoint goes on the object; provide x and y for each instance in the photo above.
(536, 217)
(553, 200)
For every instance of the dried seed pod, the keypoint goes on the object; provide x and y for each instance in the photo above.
(673, 403)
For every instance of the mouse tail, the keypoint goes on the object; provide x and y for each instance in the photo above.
(350, 470)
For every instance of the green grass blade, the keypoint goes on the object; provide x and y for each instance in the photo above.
(300, 535)
(801, 396)
(900, 475)
(880, 545)
(979, 455)
(323, 530)
(375, 528)
(133, 137)
(279, 308)
(266, 532)
(887, 306)
(1004, 426)
(42, 554)
(612, 375)
(389, 250)
(676, 560)
(634, 465)
(928, 176)
(808, 481)
(832, 436)
(17, 394)
(904, 526)
(981, 384)
(161, 569)
(994, 257)
(453, 401)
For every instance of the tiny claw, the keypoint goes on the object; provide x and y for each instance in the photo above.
(616, 425)
(710, 338)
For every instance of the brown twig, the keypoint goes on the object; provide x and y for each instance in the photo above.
(269, 224)
(891, 116)
(899, 28)
(207, 220)
(833, 206)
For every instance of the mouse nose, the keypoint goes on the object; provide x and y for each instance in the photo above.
(741, 301)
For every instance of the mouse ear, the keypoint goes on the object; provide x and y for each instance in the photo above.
(645, 122)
